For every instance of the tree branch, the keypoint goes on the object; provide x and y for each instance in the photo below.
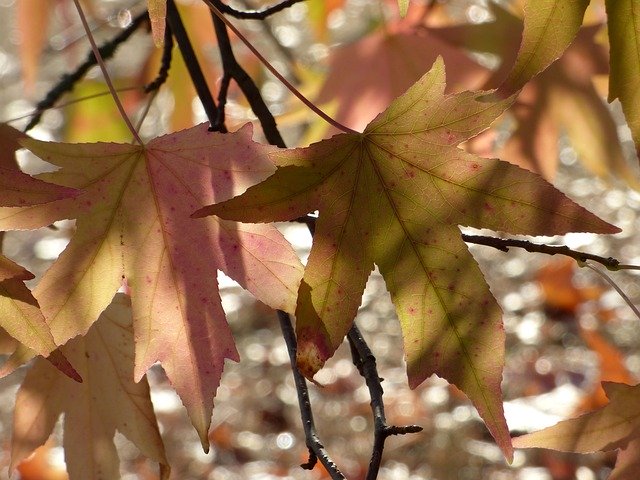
(504, 244)
(365, 362)
(316, 449)
(68, 81)
(254, 14)
(233, 70)
(186, 49)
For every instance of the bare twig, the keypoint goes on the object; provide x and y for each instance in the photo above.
(504, 244)
(69, 80)
(186, 49)
(165, 63)
(233, 70)
(277, 74)
(365, 362)
(254, 14)
(316, 449)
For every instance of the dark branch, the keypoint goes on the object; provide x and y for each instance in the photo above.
(69, 80)
(254, 14)
(186, 49)
(165, 64)
(233, 70)
(504, 244)
(365, 362)
(316, 449)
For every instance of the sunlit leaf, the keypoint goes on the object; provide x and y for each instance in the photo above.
(394, 196)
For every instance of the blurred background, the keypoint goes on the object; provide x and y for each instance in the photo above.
(567, 330)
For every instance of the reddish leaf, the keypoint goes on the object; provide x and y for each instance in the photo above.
(364, 77)
(17, 188)
(134, 225)
(394, 196)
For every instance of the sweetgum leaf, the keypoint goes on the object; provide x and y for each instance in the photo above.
(549, 28)
(17, 188)
(21, 318)
(157, 15)
(394, 196)
(107, 401)
(133, 225)
(624, 37)
(610, 427)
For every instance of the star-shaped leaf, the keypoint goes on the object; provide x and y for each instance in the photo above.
(18, 188)
(394, 196)
(614, 426)
(134, 226)
(109, 399)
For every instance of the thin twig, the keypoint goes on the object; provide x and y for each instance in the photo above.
(365, 362)
(232, 69)
(277, 74)
(165, 63)
(68, 81)
(316, 449)
(195, 72)
(254, 14)
(105, 73)
(504, 244)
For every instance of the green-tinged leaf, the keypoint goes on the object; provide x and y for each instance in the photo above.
(108, 400)
(549, 28)
(624, 38)
(394, 196)
(607, 428)
(134, 226)
(403, 6)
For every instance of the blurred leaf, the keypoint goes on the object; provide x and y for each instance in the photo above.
(32, 21)
(612, 369)
(607, 428)
(624, 37)
(549, 28)
(158, 16)
(365, 76)
(107, 400)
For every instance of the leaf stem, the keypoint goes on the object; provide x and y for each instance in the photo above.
(68, 81)
(277, 74)
(615, 286)
(105, 73)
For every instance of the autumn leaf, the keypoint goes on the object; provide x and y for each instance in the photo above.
(23, 321)
(365, 76)
(18, 188)
(549, 28)
(133, 225)
(612, 426)
(624, 38)
(157, 15)
(394, 196)
(107, 401)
